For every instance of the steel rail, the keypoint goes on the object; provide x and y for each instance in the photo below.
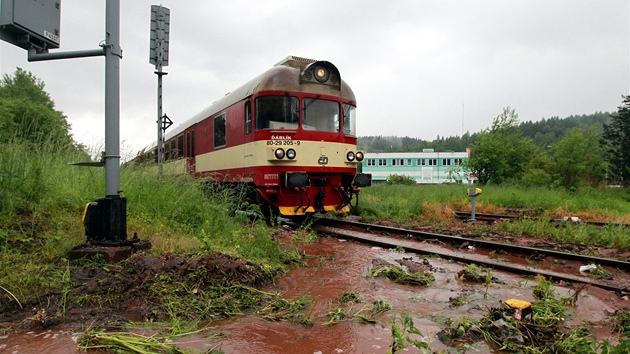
(407, 245)
(491, 245)
(462, 215)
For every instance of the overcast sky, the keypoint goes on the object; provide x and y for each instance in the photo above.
(418, 68)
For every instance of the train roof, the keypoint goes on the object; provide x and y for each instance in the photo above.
(284, 76)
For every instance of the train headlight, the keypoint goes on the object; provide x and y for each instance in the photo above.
(279, 153)
(360, 156)
(291, 154)
(350, 156)
(321, 73)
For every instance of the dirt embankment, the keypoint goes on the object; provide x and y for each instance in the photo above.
(112, 293)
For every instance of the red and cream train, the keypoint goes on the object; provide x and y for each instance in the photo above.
(290, 133)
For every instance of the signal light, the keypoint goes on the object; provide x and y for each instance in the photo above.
(350, 156)
(360, 156)
(279, 153)
(291, 154)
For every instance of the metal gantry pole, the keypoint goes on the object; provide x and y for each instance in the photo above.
(160, 122)
(113, 55)
(105, 220)
(160, 29)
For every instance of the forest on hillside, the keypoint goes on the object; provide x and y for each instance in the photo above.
(545, 132)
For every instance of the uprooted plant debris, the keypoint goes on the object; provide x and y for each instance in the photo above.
(148, 288)
(527, 327)
(400, 275)
(475, 274)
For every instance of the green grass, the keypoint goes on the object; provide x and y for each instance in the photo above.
(434, 205)
(405, 201)
(42, 199)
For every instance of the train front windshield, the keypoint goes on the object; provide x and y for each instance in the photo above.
(282, 112)
(321, 115)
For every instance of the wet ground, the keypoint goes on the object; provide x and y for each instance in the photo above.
(336, 267)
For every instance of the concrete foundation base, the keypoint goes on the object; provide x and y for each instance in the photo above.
(111, 254)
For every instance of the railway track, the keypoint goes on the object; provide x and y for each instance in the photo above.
(490, 218)
(511, 258)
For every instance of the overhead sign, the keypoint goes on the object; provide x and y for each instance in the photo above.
(160, 30)
(28, 24)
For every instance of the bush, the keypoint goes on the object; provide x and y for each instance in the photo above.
(401, 179)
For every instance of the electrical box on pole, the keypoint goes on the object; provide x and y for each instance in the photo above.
(28, 24)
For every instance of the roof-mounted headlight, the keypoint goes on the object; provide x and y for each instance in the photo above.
(321, 73)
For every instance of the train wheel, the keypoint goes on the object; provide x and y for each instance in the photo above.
(271, 213)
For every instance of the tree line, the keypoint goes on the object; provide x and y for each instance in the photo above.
(28, 114)
(567, 153)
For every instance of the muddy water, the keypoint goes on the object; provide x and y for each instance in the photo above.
(47, 341)
(335, 267)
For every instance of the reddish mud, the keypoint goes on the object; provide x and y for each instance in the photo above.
(335, 267)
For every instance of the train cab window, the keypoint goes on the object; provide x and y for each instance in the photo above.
(277, 112)
(248, 117)
(180, 146)
(219, 131)
(320, 115)
(349, 119)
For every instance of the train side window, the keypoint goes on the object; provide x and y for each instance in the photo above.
(459, 162)
(349, 119)
(220, 138)
(167, 151)
(422, 162)
(180, 146)
(382, 162)
(408, 162)
(432, 162)
(248, 117)
(173, 149)
(446, 162)
(371, 162)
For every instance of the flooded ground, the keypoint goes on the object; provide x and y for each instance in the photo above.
(336, 266)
